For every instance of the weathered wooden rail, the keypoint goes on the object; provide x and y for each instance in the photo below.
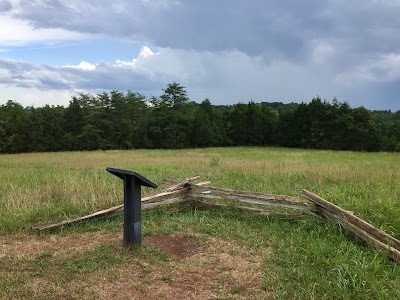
(356, 226)
(203, 196)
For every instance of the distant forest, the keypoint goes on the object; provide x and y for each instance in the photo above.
(116, 120)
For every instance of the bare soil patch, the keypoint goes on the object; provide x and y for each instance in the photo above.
(178, 247)
(25, 245)
(201, 267)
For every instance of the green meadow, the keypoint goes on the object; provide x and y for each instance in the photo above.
(284, 259)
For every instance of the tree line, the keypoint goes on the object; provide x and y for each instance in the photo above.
(116, 120)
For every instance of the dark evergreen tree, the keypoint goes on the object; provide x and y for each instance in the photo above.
(74, 123)
(363, 134)
(294, 127)
(46, 126)
(238, 125)
(15, 128)
(137, 113)
(172, 116)
(114, 120)
(206, 130)
(393, 137)
(174, 95)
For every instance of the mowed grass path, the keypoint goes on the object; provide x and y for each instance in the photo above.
(307, 259)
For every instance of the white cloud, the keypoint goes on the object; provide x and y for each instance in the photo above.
(160, 3)
(20, 32)
(223, 77)
(5, 6)
(220, 76)
(35, 97)
(322, 51)
(144, 53)
(384, 68)
(276, 49)
(83, 66)
(169, 64)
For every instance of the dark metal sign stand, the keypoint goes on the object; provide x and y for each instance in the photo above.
(132, 203)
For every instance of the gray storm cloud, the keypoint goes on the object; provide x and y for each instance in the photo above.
(5, 6)
(278, 28)
(286, 50)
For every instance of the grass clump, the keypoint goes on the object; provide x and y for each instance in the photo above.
(102, 257)
(302, 259)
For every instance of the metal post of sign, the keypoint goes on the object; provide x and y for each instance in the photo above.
(132, 203)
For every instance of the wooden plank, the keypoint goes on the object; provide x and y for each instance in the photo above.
(206, 204)
(361, 234)
(248, 200)
(112, 210)
(257, 195)
(95, 215)
(162, 195)
(198, 184)
(180, 184)
(336, 210)
(171, 182)
(147, 206)
(106, 212)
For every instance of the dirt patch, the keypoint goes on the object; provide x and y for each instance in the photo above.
(178, 247)
(200, 267)
(21, 246)
(220, 270)
(24, 245)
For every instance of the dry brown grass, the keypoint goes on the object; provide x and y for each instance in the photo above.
(47, 186)
(24, 246)
(220, 269)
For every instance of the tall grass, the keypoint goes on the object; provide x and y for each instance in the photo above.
(306, 260)
(40, 187)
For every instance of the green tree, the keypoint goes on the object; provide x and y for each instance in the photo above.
(46, 128)
(237, 124)
(171, 119)
(363, 133)
(293, 127)
(135, 117)
(14, 124)
(174, 95)
(393, 138)
(90, 138)
(206, 131)
(261, 124)
(73, 118)
(268, 121)
(5, 140)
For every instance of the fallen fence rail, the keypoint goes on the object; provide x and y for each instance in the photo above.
(107, 213)
(203, 196)
(172, 191)
(257, 195)
(366, 232)
(257, 211)
(238, 198)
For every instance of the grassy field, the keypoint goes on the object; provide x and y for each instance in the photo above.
(244, 256)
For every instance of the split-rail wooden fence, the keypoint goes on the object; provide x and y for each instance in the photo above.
(202, 195)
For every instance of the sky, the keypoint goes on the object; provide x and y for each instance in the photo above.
(229, 51)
